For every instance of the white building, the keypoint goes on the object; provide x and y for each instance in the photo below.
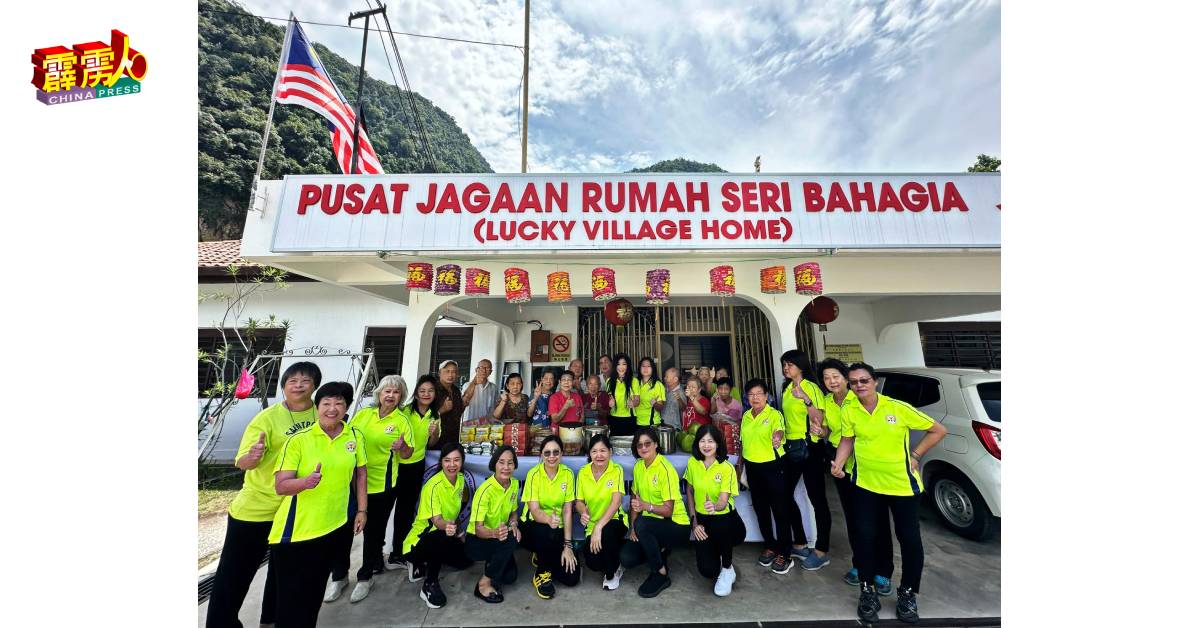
(914, 286)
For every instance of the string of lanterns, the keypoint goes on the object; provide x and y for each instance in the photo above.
(448, 281)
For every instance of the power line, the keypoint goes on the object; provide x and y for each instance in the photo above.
(284, 19)
(412, 99)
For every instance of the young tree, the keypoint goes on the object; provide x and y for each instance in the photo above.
(985, 163)
(237, 349)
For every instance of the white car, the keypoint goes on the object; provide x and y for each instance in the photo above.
(962, 473)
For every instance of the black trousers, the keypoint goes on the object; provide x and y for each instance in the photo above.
(867, 507)
(884, 565)
(655, 536)
(771, 498)
(411, 476)
(243, 551)
(499, 564)
(724, 533)
(622, 425)
(435, 549)
(339, 560)
(379, 506)
(547, 544)
(612, 537)
(812, 471)
(303, 568)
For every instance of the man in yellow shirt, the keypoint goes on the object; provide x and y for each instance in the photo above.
(876, 431)
(253, 509)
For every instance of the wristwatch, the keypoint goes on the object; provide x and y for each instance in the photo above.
(808, 403)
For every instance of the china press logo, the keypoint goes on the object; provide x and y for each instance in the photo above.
(88, 71)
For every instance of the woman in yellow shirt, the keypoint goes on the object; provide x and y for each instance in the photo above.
(658, 519)
(886, 473)
(322, 469)
(620, 397)
(762, 453)
(436, 537)
(548, 520)
(493, 534)
(599, 493)
(423, 420)
(649, 394)
(804, 427)
(711, 486)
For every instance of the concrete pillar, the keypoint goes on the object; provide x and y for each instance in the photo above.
(418, 338)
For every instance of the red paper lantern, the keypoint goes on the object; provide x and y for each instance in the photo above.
(822, 310)
(618, 312)
(558, 286)
(479, 281)
(420, 276)
(604, 284)
(721, 281)
(808, 278)
(773, 280)
(516, 285)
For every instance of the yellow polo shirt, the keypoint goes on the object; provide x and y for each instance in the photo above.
(795, 413)
(549, 493)
(835, 422)
(419, 424)
(620, 395)
(657, 484)
(881, 449)
(648, 395)
(597, 494)
(257, 500)
(756, 435)
(315, 512)
(383, 465)
(439, 497)
(493, 504)
(710, 482)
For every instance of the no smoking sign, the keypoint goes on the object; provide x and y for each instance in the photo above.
(560, 348)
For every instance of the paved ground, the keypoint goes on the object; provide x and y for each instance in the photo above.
(210, 535)
(961, 582)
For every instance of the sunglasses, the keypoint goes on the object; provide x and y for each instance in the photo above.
(644, 444)
(864, 381)
(552, 452)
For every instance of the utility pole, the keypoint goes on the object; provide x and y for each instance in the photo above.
(358, 99)
(525, 99)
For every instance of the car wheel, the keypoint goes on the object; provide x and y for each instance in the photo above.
(960, 506)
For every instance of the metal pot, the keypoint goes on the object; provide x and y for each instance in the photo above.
(592, 430)
(572, 437)
(666, 439)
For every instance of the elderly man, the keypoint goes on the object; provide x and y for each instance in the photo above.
(480, 394)
(449, 403)
(606, 369)
(673, 406)
(576, 367)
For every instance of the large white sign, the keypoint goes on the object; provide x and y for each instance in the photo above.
(472, 213)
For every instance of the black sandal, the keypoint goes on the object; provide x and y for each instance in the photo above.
(491, 598)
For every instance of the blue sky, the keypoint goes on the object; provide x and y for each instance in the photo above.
(809, 86)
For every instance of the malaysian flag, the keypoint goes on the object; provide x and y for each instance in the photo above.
(303, 81)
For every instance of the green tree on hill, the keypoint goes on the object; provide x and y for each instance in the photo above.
(238, 57)
(680, 164)
(985, 163)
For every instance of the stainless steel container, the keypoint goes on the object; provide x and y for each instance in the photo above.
(666, 439)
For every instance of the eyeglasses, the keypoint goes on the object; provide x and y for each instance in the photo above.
(757, 394)
(644, 444)
(864, 381)
(551, 452)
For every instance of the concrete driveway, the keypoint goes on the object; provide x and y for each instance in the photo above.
(960, 586)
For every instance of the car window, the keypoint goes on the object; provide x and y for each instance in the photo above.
(989, 394)
(915, 390)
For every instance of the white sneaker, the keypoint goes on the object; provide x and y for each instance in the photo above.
(393, 565)
(611, 584)
(360, 592)
(334, 590)
(725, 581)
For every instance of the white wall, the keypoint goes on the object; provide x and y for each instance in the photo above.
(900, 345)
(553, 319)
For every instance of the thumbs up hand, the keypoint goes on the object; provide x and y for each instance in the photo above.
(398, 444)
(313, 479)
(258, 449)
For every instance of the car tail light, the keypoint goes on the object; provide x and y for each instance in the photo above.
(989, 436)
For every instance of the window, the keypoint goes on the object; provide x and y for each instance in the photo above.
(989, 395)
(387, 343)
(265, 341)
(962, 345)
(453, 343)
(915, 390)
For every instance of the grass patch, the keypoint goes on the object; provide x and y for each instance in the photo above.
(215, 501)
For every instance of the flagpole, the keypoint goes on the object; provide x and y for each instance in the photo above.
(262, 153)
(525, 98)
(365, 15)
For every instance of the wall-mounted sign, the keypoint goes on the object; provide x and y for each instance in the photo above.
(473, 213)
(846, 353)
(560, 348)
